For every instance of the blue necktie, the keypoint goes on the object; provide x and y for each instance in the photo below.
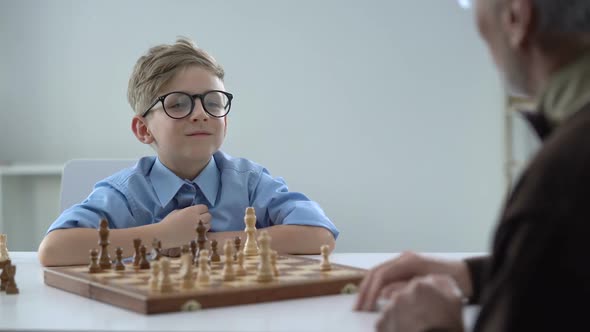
(186, 195)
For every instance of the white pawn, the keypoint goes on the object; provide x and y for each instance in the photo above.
(228, 268)
(250, 247)
(165, 283)
(241, 271)
(273, 261)
(265, 273)
(155, 273)
(186, 263)
(203, 275)
(325, 264)
(187, 271)
(3, 248)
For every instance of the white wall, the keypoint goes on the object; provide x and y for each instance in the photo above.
(388, 113)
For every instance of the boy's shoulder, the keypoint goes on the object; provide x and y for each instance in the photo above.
(135, 173)
(226, 162)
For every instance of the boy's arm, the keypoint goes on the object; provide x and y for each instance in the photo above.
(80, 241)
(297, 224)
(299, 239)
(71, 246)
(287, 239)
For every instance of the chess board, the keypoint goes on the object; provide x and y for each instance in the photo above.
(298, 277)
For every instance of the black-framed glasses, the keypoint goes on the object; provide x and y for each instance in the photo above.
(179, 105)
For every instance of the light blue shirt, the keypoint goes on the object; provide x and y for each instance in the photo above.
(149, 191)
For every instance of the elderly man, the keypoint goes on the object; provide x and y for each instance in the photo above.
(538, 267)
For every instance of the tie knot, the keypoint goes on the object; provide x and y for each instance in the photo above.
(186, 195)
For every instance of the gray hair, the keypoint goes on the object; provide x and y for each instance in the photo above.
(563, 16)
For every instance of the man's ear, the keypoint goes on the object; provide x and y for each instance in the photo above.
(141, 130)
(518, 22)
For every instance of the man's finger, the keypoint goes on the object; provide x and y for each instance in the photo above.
(372, 286)
(393, 288)
(366, 301)
(447, 285)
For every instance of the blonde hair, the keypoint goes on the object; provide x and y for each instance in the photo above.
(160, 64)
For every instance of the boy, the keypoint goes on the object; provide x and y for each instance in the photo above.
(180, 103)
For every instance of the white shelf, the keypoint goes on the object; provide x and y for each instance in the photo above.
(31, 173)
(31, 169)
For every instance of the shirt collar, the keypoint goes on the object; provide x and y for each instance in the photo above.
(208, 181)
(567, 91)
(167, 184)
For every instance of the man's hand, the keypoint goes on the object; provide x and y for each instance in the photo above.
(430, 302)
(392, 276)
(179, 226)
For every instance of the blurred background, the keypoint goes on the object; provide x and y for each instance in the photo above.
(388, 113)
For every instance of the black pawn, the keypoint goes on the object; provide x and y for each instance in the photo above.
(144, 264)
(11, 284)
(214, 255)
(237, 244)
(94, 267)
(119, 266)
(3, 278)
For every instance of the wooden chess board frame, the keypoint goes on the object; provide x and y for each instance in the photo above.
(299, 277)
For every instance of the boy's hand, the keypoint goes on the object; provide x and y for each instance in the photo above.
(390, 277)
(195, 213)
(179, 226)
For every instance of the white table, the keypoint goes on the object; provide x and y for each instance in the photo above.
(41, 308)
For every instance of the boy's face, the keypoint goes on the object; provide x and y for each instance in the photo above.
(190, 140)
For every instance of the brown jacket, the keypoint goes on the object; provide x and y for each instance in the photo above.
(538, 275)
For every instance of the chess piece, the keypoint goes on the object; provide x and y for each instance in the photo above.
(201, 241)
(154, 275)
(136, 254)
(214, 255)
(3, 278)
(105, 258)
(186, 271)
(193, 248)
(240, 270)
(11, 284)
(119, 266)
(156, 252)
(273, 261)
(325, 264)
(144, 264)
(170, 252)
(201, 235)
(203, 275)
(4, 257)
(237, 246)
(94, 267)
(185, 250)
(250, 247)
(165, 282)
(265, 273)
(186, 260)
(228, 268)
